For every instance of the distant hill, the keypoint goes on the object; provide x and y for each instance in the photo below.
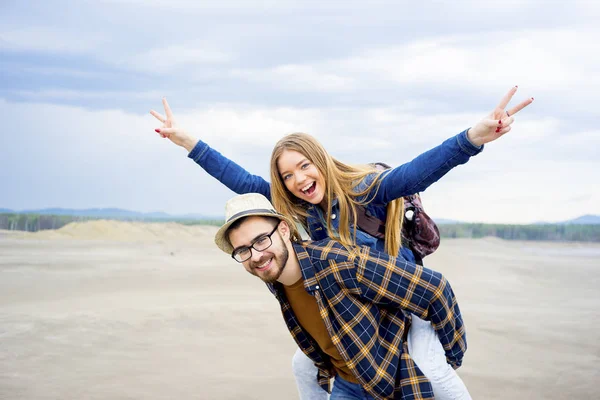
(443, 221)
(585, 219)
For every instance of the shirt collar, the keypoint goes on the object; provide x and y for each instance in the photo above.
(306, 268)
(317, 211)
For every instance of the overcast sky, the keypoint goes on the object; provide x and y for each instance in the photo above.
(378, 80)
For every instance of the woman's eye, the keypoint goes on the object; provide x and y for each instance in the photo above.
(286, 177)
(305, 165)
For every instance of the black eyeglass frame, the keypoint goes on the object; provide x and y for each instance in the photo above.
(252, 245)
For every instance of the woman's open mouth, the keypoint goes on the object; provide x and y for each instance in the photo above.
(309, 189)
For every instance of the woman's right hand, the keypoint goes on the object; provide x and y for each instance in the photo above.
(171, 131)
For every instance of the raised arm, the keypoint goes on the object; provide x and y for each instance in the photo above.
(418, 174)
(221, 168)
(393, 282)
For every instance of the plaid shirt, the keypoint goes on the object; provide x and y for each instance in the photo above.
(361, 298)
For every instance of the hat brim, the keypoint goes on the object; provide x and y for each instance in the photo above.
(221, 239)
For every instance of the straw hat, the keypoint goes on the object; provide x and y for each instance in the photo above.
(245, 205)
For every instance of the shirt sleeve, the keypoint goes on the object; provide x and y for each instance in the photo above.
(394, 282)
(228, 172)
(417, 175)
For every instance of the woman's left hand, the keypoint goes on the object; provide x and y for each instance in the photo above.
(498, 122)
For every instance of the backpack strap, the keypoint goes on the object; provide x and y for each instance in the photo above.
(419, 231)
(370, 223)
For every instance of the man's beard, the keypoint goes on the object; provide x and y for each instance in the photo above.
(279, 261)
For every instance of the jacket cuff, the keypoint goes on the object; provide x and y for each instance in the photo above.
(199, 149)
(466, 145)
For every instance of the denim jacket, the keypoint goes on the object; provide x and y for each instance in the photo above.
(409, 178)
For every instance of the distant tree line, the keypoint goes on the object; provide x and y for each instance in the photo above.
(551, 232)
(575, 233)
(39, 222)
(35, 222)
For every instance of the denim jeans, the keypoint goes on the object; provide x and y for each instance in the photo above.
(424, 348)
(344, 390)
(427, 352)
(305, 373)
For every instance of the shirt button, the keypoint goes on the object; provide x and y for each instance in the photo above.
(316, 287)
(333, 216)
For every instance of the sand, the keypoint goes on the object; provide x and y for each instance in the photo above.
(114, 310)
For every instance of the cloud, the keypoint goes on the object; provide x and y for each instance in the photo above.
(85, 158)
(355, 8)
(541, 58)
(171, 58)
(234, 6)
(73, 95)
(297, 78)
(49, 39)
(371, 80)
(61, 72)
(516, 191)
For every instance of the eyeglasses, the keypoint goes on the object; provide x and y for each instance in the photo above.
(262, 243)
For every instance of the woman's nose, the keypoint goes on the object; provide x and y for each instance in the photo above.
(300, 177)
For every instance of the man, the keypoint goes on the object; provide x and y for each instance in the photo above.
(344, 306)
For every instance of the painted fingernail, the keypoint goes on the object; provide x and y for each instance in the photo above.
(532, 99)
(517, 86)
(499, 122)
(157, 130)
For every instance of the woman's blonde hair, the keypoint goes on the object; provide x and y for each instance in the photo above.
(341, 181)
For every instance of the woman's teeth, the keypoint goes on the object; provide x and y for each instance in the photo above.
(305, 188)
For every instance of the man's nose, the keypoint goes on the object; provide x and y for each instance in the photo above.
(256, 255)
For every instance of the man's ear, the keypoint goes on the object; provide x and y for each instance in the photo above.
(284, 229)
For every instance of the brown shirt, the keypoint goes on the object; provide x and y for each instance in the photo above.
(307, 312)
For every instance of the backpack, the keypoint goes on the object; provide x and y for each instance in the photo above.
(419, 232)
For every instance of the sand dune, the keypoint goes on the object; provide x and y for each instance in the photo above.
(125, 231)
(117, 310)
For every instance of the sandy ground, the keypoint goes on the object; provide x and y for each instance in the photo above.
(109, 310)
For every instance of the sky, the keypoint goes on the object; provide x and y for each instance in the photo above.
(373, 81)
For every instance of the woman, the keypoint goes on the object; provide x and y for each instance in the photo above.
(324, 195)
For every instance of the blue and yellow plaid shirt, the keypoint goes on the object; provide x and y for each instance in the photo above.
(362, 298)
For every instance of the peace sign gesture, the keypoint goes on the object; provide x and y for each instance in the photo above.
(171, 131)
(498, 122)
